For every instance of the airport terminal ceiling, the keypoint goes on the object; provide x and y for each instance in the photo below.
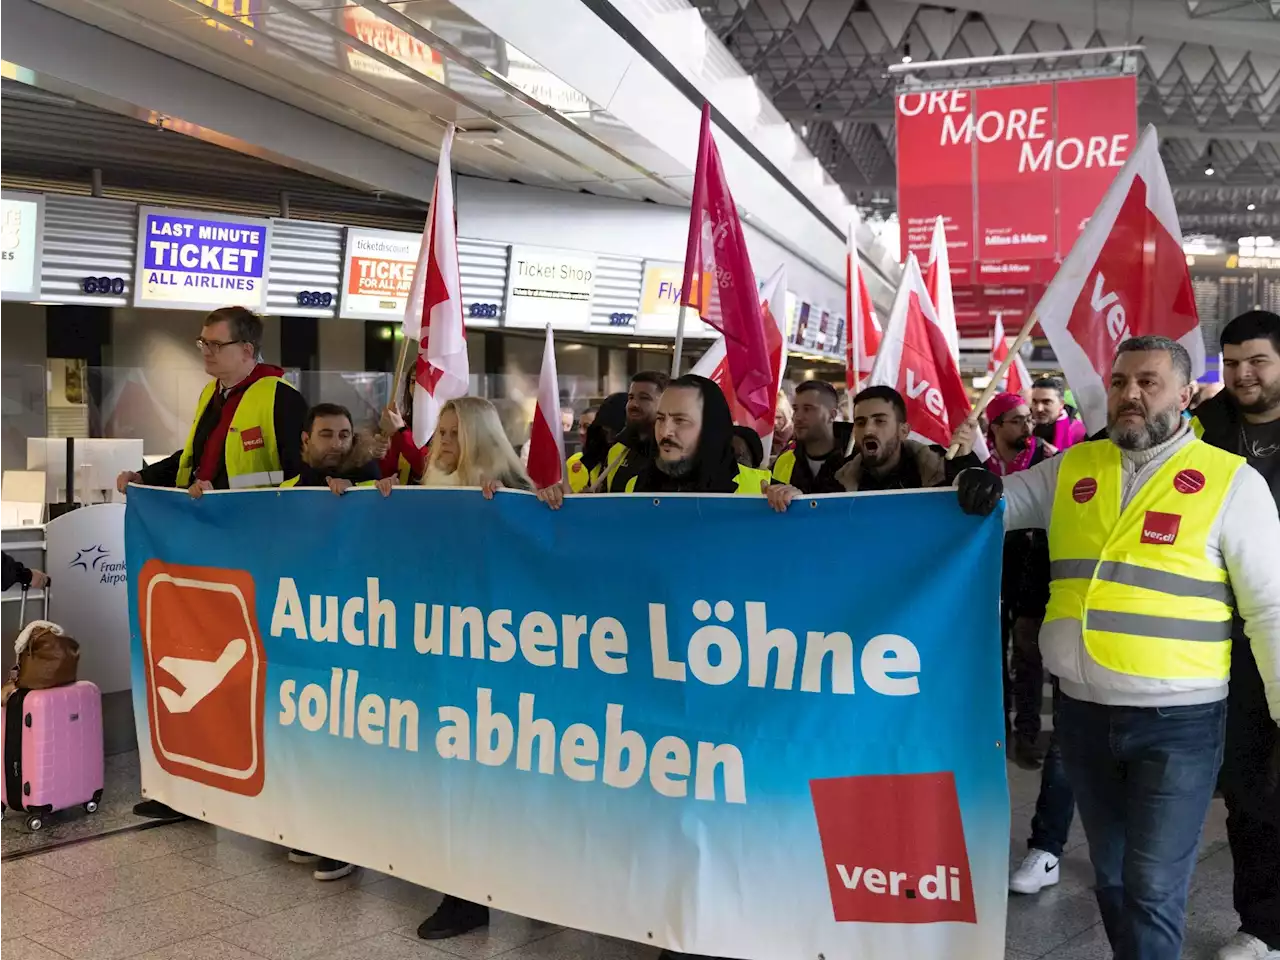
(1208, 78)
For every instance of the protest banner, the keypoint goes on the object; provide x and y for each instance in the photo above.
(676, 752)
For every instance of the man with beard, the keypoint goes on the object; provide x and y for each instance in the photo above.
(811, 464)
(1054, 423)
(332, 455)
(1153, 535)
(634, 448)
(1245, 419)
(694, 433)
(885, 457)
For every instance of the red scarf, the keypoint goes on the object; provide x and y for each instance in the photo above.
(214, 452)
(1021, 462)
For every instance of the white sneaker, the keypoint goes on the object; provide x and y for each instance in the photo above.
(1038, 870)
(1244, 947)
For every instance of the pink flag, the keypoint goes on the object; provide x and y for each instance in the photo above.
(916, 361)
(546, 437)
(862, 329)
(938, 282)
(433, 313)
(1126, 276)
(1017, 379)
(714, 363)
(718, 281)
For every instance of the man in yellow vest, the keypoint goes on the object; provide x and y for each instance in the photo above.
(634, 449)
(247, 430)
(1155, 538)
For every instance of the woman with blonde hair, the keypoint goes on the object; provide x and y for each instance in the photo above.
(470, 449)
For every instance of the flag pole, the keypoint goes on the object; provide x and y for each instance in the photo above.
(400, 370)
(998, 377)
(679, 349)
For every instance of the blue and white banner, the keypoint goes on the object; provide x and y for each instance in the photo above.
(685, 721)
(200, 261)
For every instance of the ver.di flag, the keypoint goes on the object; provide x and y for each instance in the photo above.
(433, 313)
(546, 435)
(1017, 379)
(916, 360)
(714, 363)
(862, 329)
(937, 280)
(1126, 276)
(719, 282)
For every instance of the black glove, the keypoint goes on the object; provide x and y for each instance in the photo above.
(979, 491)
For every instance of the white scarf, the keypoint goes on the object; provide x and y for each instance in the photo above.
(438, 478)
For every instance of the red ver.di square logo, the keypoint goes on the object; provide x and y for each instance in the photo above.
(894, 848)
(205, 674)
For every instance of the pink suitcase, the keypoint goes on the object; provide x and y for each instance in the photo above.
(52, 742)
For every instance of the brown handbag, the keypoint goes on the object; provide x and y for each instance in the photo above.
(48, 660)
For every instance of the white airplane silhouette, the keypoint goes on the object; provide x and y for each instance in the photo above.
(199, 678)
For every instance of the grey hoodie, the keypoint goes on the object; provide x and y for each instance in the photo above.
(1245, 541)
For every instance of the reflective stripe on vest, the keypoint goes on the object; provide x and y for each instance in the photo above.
(1150, 602)
(251, 454)
(404, 471)
(263, 478)
(747, 481)
(784, 466)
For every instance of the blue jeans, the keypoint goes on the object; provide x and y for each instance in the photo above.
(1143, 779)
(1055, 804)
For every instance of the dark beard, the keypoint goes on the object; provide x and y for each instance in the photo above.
(676, 469)
(1268, 400)
(1158, 428)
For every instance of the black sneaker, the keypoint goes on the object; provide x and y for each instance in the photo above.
(453, 918)
(328, 869)
(1027, 754)
(301, 856)
(155, 810)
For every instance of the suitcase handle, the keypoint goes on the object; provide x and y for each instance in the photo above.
(22, 604)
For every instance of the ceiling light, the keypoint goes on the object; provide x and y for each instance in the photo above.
(906, 53)
(1208, 171)
(1208, 157)
(804, 129)
(1252, 206)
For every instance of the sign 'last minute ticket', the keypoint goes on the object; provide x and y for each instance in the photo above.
(196, 261)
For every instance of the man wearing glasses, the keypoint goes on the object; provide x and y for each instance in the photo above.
(247, 431)
(248, 425)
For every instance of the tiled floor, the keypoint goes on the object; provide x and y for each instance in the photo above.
(192, 892)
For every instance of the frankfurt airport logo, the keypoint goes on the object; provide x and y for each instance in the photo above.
(90, 558)
(205, 674)
(894, 849)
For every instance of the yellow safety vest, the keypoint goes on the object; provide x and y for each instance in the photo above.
(252, 455)
(404, 471)
(1149, 601)
(784, 466)
(578, 475)
(747, 481)
(618, 454)
(293, 482)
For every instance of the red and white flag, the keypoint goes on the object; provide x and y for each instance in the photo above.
(714, 363)
(546, 436)
(719, 282)
(862, 329)
(937, 281)
(1017, 379)
(916, 360)
(433, 313)
(1126, 276)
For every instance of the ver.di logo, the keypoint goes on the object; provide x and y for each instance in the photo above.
(97, 560)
